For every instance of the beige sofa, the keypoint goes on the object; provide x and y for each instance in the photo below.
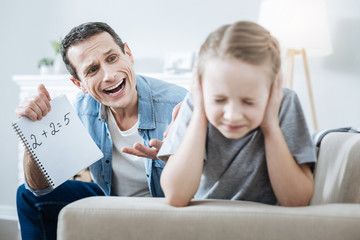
(334, 211)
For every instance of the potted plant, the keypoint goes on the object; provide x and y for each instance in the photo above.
(45, 65)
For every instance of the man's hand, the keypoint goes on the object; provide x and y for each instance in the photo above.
(35, 107)
(271, 116)
(142, 151)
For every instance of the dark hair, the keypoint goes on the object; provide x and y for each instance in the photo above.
(246, 41)
(81, 33)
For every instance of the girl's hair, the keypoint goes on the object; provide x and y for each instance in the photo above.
(245, 41)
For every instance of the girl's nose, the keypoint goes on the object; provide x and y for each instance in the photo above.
(233, 112)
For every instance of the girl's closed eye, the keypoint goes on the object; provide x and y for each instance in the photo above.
(248, 102)
(220, 100)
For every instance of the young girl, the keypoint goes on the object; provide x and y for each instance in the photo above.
(240, 136)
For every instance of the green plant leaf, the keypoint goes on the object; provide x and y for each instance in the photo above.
(56, 45)
(45, 62)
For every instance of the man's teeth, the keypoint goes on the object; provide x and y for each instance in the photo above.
(117, 85)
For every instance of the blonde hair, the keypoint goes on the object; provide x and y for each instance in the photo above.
(245, 41)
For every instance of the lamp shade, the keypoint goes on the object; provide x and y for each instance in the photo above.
(298, 24)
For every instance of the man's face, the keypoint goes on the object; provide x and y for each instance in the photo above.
(104, 71)
(235, 95)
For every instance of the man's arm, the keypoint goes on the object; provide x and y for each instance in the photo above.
(33, 175)
(34, 107)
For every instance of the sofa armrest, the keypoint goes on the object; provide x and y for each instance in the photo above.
(337, 172)
(153, 219)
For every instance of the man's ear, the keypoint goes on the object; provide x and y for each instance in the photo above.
(78, 84)
(128, 52)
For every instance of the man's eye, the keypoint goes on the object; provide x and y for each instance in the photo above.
(112, 58)
(92, 70)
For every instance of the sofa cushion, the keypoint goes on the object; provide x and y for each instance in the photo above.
(153, 219)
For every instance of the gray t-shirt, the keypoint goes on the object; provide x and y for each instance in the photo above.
(236, 168)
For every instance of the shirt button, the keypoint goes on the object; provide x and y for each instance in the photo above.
(139, 130)
(147, 175)
(107, 161)
(107, 182)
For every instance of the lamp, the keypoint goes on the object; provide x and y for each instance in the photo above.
(301, 27)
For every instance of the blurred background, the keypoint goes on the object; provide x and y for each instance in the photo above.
(153, 30)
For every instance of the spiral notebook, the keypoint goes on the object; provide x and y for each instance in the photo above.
(59, 143)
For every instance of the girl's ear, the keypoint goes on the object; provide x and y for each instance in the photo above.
(279, 78)
(79, 84)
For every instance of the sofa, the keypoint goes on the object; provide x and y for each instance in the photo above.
(332, 214)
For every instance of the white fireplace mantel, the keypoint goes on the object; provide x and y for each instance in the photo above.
(55, 84)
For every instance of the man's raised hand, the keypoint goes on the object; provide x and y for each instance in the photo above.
(35, 107)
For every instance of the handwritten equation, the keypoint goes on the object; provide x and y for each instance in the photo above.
(53, 129)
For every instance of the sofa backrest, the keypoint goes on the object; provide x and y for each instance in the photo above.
(337, 172)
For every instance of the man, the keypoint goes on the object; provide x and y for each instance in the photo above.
(119, 109)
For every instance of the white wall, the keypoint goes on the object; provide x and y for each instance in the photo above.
(154, 28)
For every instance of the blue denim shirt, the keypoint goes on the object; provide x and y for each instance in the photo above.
(156, 100)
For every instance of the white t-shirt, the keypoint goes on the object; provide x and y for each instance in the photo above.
(128, 171)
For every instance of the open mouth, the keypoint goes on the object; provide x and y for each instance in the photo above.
(117, 88)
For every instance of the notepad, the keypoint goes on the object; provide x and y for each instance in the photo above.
(59, 143)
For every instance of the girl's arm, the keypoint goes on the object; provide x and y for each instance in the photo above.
(293, 184)
(181, 176)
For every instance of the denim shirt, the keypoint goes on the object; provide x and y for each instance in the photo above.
(156, 100)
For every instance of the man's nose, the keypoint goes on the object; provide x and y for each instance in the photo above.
(109, 74)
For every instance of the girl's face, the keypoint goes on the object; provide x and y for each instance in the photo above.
(235, 95)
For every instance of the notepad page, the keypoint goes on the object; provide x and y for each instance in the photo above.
(60, 141)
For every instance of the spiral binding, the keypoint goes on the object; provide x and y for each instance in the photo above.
(32, 153)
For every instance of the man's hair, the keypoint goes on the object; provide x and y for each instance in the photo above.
(81, 33)
(245, 41)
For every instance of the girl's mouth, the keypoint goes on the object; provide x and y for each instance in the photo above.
(233, 127)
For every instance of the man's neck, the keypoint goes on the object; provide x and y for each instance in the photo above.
(126, 117)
